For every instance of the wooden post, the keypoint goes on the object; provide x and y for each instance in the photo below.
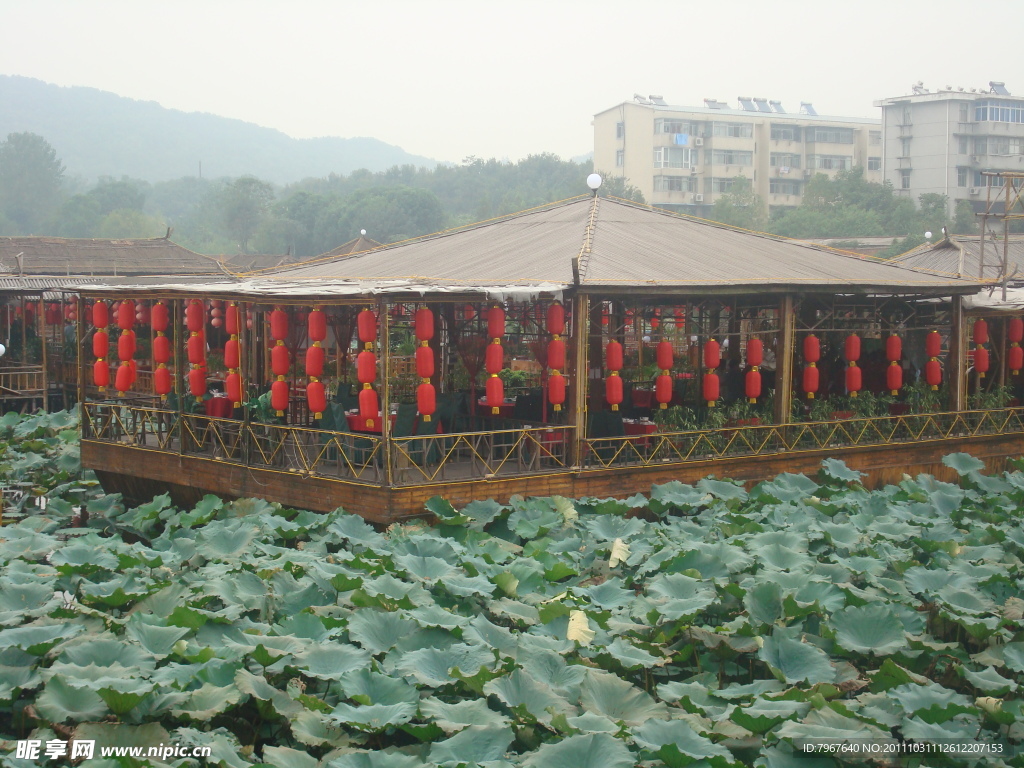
(1001, 330)
(80, 364)
(385, 390)
(581, 376)
(177, 320)
(41, 330)
(956, 361)
(784, 352)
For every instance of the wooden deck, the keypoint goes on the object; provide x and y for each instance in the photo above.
(140, 473)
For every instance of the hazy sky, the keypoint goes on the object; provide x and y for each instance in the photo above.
(452, 78)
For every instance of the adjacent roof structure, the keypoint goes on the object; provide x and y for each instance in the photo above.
(960, 256)
(66, 256)
(360, 244)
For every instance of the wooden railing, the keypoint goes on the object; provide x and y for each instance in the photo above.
(25, 380)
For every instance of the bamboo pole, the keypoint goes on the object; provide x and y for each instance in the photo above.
(785, 350)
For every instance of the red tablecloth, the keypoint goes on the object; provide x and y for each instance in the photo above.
(356, 423)
(219, 407)
(640, 428)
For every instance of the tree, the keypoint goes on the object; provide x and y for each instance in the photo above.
(964, 220)
(244, 204)
(740, 206)
(30, 181)
(113, 195)
(79, 216)
(128, 222)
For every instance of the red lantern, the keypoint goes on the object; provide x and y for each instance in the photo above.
(613, 390)
(680, 317)
(556, 354)
(159, 317)
(232, 353)
(280, 361)
(655, 322)
(316, 398)
(278, 324)
(712, 357)
(369, 407)
(366, 367)
(894, 378)
(195, 316)
(468, 313)
(854, 380)
(812, 348)
(613, 356)
(556, 390)
(125, 346)
(980, 331)
(981, 361)
(933, 344)
(663, 355)
(197, 382)
(317, 324)
(1015, 330)
(496, 323)
(663, 390)
(424, 362)
(495, 358)
(893, 349)
(556, 319)
(755, 352)
(279, 395)
(426, 400)
(231, 319)
(811, 380)
(495, 394)
(233, 385)
(162, 381)
(100, 344)
(315, 357)
(366, 323)
(753, 385)
(1015, 358)
(851, 348)
(933, 373)
(101, 374)
(126, 314)
(196, 347)
(711, 388)
(424, 324)
(123, 381)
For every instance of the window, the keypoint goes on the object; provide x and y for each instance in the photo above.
(1004, 146)
(985, 181)
(906, 117)
(961, 177)
(981, 146)
(781, 187)
(962, 145)
(831, 135)
(875, 138)
(671, 125)
(905, 147)
(620, 158)
(732, 157)
(785, 132)
(675, 183)
(734, 130)
(784, 160)
(874, 163)
(904, 179)
(620, 130)
(999, 111)
(1016, 146)
(722, 185)
(671, 157)
(965, 113)
(830, 162)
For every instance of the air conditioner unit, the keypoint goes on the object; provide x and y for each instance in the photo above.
(973, 191)
(698, 198)
(698, 142)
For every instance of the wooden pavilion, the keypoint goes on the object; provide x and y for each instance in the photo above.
(587, 348)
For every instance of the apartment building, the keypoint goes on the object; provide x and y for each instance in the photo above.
(684, 158)
(941, 141)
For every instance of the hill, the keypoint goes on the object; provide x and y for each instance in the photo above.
(97, 133)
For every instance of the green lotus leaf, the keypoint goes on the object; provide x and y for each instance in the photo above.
(482, 632)
(519, 689)
(931, 702)
(356, 530)
(37, 639)
(453, 717)
(550, 668)
(783, 558)
(656, 735)
(377, 759)
(258, 687)
(433, 666)
(764, 603)
(122, 696)
(293, 758)
(331, 662)
(378, 631)
(788, 487)
(81, 557)
(208, 700)
(836, 469)
(116, 592)
(107, 651)
(29, 599)
(15, 679)
(226, 540)
(928, 581)
(592, 750)
(435, 616)
(305, 626)
(533, 518)
(609, 594)
(794, 661)
(461, 585)
(224, 746)
(475, 744)
(964, 601)
(612, 527)
(717, 560)
(317, 730)
(590, 722)
(120, 735)
(963, 463)
(632, 657)
(617, 699)
(945, 731)
(60, 702)
(375, 688)
(483, 512)
(677, 595)
(428, 569)
(989, 681)
(1013, 656)
(201, 514)
(374, 717)
(677, 494)
(765, 714)
(870, 629)
(726, 490)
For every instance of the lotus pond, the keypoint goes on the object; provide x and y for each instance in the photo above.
(703, 625)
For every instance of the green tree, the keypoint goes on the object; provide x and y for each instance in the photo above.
(129, 223)
(244, 204)
(964, 220)
(740, 206)
(113, 195)
(79, 216)
(30, 181)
